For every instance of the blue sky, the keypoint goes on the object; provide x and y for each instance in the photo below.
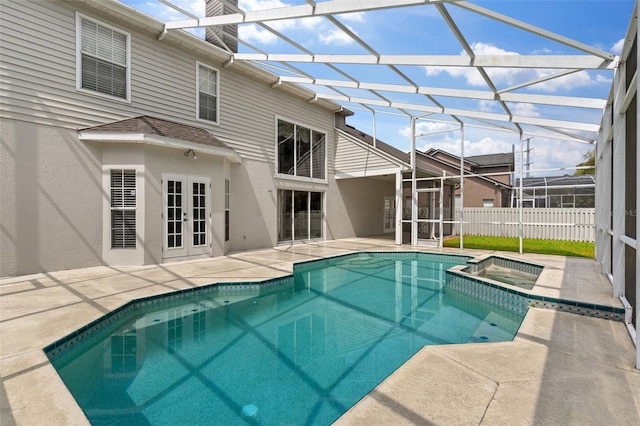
(421, 30)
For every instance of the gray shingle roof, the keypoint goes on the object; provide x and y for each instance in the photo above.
(158, 127)
(500, 159)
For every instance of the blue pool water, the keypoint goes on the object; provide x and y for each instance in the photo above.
(301, 351)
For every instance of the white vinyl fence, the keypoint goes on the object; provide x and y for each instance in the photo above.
(568, 224)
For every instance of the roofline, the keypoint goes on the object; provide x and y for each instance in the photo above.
(469, 158)
(490, 180)
(162, 141)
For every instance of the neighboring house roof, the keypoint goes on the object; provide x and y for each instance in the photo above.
(156, 131)
(433, 158)
(551, 181)
(487, 160)
(493, 160)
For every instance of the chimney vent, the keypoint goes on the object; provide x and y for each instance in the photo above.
(227, 33)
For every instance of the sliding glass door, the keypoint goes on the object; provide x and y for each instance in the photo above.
(300, 215)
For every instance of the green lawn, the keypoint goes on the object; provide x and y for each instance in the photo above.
(563, 248)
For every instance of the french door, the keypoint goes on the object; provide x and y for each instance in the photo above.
(187, 215)
(389, 214)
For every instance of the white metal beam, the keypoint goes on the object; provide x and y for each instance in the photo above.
(579, 62)
(302, 11)
(570, 125)
(457, 93)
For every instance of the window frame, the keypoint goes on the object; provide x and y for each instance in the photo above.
(79, 88)
(313, 132)
(227, 209)
(217, 94)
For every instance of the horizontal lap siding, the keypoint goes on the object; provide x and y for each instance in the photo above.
(352, 157)
(39, 75)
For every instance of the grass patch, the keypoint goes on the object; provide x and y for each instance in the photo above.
(562, 248)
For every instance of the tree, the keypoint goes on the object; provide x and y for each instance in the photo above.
(590, 160)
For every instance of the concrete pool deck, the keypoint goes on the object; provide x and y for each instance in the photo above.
(561, 368)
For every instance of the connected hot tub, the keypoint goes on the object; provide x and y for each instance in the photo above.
(504, 270)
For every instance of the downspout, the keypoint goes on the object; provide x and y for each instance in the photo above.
(375, 134)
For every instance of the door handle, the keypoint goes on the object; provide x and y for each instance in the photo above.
(184, 216)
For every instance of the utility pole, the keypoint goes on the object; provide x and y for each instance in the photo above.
(528, 150)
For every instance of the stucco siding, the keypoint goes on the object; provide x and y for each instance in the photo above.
(51, 188)
(358, 207)
(253, 200)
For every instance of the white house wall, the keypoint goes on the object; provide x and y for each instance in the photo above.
(52, 184)
(50, 209)
(357, 207)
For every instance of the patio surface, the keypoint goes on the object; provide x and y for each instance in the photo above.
(561, 369)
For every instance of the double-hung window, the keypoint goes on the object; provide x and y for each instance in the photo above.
(207, 93)
(123, 209)
(103, 58)
(300, 151)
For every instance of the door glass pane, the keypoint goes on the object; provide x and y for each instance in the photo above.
(316, 215)
(284, 214)
(174, 214)
(198, 221)
(301, 215)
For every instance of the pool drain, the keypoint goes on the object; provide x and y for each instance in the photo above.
(249, 411)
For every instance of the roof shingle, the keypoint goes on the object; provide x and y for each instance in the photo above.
(158, 127)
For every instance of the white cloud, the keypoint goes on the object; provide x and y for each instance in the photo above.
(567, 82)
(545, 153)
(253, 33)
(527, 110)
(353, 17)
(165, 13)
(335, 37)
(506, 77)
(319, 30)
(250, 5)
(486, 145)
(427, 127)
(617, 47)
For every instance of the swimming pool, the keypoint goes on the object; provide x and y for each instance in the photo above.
(297, 350)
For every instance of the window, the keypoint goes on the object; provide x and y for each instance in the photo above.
(487, 202)
(123, 209)
(207, 93)
(300, 151)
(103, 59)
(226, 209)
